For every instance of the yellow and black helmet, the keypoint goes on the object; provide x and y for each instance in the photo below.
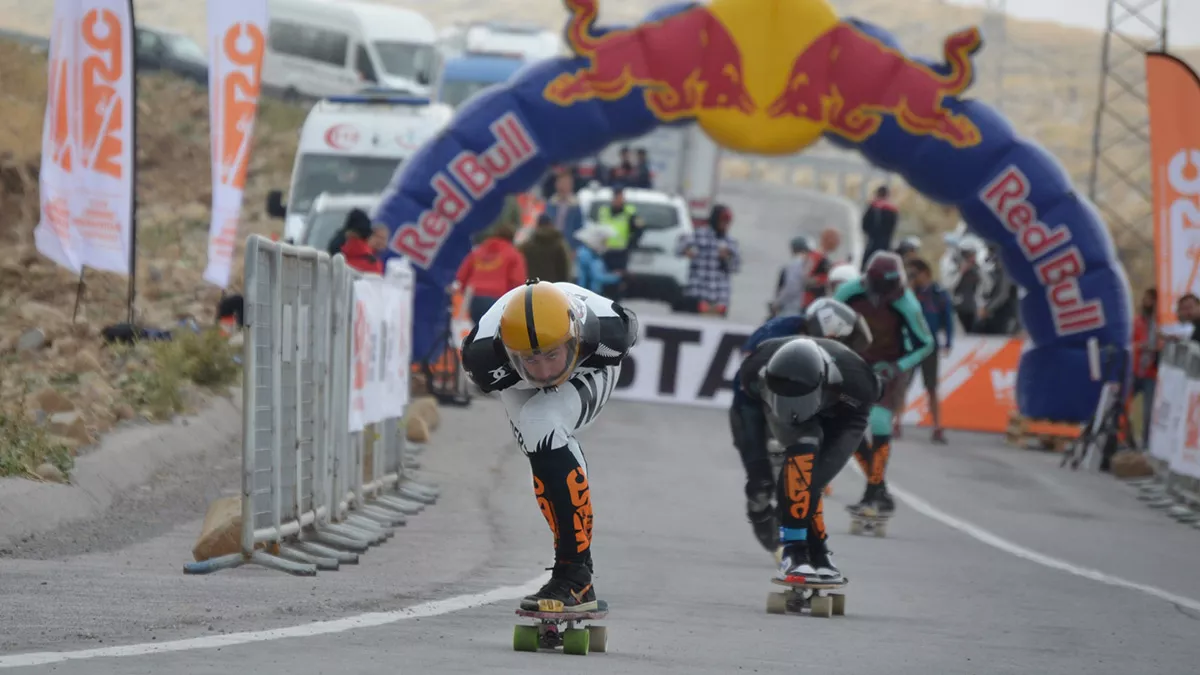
(541, 329)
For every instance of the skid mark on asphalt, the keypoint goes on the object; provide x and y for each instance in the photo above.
(428, 609)
(1014, 549)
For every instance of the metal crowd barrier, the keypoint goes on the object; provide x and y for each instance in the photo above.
(1174, 448)
(314, 494)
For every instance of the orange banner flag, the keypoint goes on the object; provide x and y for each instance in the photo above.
(1173, 94)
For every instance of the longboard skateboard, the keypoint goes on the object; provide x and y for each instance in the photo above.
(545, 633)
(868, 523)
(820, 599)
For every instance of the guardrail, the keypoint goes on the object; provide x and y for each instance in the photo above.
(1174, 448)
(326, 357)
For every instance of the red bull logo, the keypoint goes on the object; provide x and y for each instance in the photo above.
(768, 76)
(849, 80)
(660, 57)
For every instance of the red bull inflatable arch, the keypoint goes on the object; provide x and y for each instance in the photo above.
(773, 77)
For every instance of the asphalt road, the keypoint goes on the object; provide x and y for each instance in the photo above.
(997, 562)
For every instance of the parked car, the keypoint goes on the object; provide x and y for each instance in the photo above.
(158, 49)
(655, 271)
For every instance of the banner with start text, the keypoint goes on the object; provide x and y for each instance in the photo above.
(86, 178)
(236, 44)
(693, 360)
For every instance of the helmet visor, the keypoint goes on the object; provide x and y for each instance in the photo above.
(547, 366)
(794, 409)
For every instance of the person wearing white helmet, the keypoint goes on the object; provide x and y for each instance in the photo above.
(840, 275)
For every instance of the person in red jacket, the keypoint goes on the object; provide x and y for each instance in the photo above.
(357, 248)
(1145, 357)
(491, 269)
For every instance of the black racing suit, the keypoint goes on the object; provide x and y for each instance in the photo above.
(818, 448)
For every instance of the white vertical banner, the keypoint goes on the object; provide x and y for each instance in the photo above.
(1186, 459)
(86, 179)
(400, 284)
(363, 368)
(237, 41)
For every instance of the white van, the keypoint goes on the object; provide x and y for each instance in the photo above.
(319, 48)
(529, 42)
(353, 145)
(656, 271)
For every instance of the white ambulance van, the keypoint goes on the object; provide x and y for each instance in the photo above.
(353, 145)
(319, 48)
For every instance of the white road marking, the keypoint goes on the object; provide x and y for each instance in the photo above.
(435, 608)
(995, 541)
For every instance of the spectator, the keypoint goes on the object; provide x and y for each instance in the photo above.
(879, 223)
(909, 248)
(793, 281)
(622, 218)
(490, 270)
(591, 272)
(551, 181)
(357, 236)
(641, 177)
(563, 207)
(938, 309)
(1146, 347)
(714, 257)
(547, 255)
(966, 292)
(623, 172)
(998, 315)
(823, 262)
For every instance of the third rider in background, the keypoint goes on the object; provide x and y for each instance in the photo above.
(901, 340)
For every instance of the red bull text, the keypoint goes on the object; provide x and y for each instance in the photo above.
(477, 175)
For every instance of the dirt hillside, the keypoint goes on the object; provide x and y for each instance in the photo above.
(41, 349)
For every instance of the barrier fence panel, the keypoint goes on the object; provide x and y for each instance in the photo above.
(1174, 447)
(326, 358)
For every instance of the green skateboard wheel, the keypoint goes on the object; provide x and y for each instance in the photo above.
(525, 638)
(576, 641)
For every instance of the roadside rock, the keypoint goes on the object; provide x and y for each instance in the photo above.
(49, 472)
(51, 401)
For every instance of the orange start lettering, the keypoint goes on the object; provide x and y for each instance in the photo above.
(102, 108)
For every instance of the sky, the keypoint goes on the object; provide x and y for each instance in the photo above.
(1183, 24)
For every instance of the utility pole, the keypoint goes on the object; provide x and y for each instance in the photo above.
(1119, 180)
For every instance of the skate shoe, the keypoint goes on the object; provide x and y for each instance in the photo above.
(794, 565)
(766, 528)
(822, 563)
(938, 436)
(569, 590)
(884, 503)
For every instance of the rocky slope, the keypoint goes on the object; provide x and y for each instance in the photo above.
(55, 368)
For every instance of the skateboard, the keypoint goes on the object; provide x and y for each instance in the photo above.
(869, 524)
(820, 599)
(545, 633)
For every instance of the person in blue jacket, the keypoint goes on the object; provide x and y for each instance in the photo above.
(590, 271)
(901, 341)
(826, 318)
(938, 307)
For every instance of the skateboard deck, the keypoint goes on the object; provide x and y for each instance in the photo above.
(869, 524)
(820, 599)
(546, 634)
